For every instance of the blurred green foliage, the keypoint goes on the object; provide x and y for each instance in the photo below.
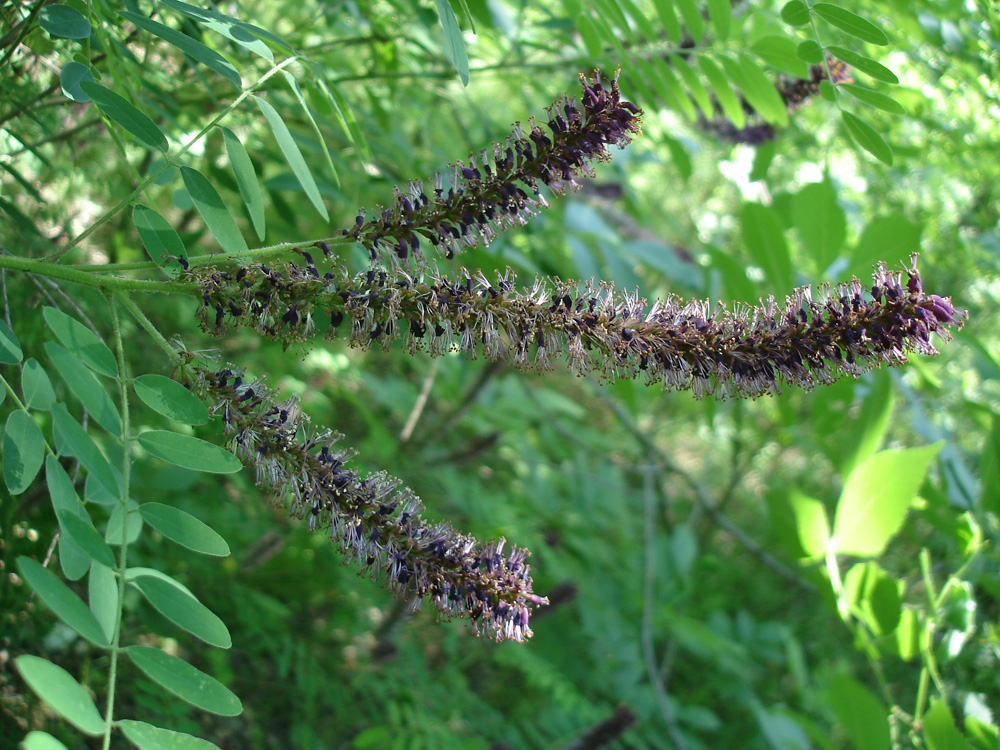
(704, 559)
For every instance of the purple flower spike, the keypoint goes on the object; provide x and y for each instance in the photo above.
(499, 187)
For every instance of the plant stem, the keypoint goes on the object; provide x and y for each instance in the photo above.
(123, 557)
(107, 283)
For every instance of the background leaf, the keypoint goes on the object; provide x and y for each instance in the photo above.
(861, 714)
(765, 239)
(36, 740)
(820, 221)
(876, 497)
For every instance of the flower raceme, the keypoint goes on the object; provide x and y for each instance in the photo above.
(499, 187)
(747, 351)
(375, 522)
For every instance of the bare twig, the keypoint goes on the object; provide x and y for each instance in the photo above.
(420, 403)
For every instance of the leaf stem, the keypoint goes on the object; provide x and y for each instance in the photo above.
(168, 163)
(123, 557)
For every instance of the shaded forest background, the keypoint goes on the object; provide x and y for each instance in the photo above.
(696, 597)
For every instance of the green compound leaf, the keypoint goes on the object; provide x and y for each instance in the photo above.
(133, 523)
(728, 100)
(782, 53)
(72, 559)
(41, 741)
(82, 531)
(23, 451)
(672, 90)
(765, 239)
(454, 41)
(246, 180)
(81, 341)
(56, 686)
(191, 47)
(876, 497)
(695, 87)
(874, 99)
(102, 593)
(292, 155)
(10, 347)
(296, 89)
(217, 217)
(758, 89)
(148, 737)
(65, 22)
(810, 52)
(189, 452)
(811, 523)
(691, 14)
(132, 574)
(867, 137)
(588, 34)
(184, 529)
(795, 13)
(820, 222)
(171, 399)
(240, 32)
(860, 713)
(865, 64)
(163, 245)
(720, 13)
(80, 444)
(184, 611)
(940, 732)
(668, 19)
(36, 386)
(66, 605)
(70, 78)
(185, 681)
(851, 23)
(889, 238)
(86, 387)
(125, 114)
